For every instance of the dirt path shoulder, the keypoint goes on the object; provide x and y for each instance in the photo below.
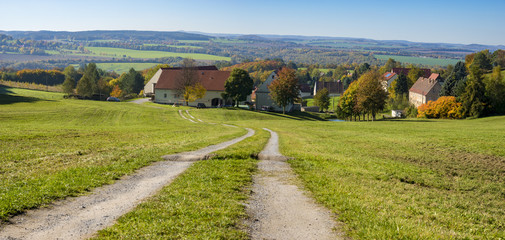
(81, 217)
(278, 209)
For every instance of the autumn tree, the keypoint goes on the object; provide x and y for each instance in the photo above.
(188, 76)
(194, 92)
(414, 74)
(284, 89)
(322, 99)
(239, 85)
(444, 107)
(347, 106)
(371, 95)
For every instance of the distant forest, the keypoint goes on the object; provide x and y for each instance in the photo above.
(49, 49)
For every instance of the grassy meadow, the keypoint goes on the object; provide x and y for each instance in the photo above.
(122, 52)
(420, 60)
(52, 148)
(407, 179)
(397, 179)
(124, 67)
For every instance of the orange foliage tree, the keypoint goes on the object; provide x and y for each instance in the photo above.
(116, 91)
(444, 107)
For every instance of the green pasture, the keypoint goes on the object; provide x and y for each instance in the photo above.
(175, 46)
(53, 148)
(333, 103)
(122, 52)
(401, 179)
(419, 60)
(406, 179)
(124, 67)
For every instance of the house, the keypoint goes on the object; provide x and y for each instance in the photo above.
(424, 90)
(333, 87)
(163, 86)
(305, 90)
(263, 99)
(405, 71)
(388, 77)
(149, 87)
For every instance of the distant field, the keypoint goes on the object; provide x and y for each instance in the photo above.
(324, 70)
(221, 40)
(192, 41)
(419, 60)
(124, 67)
(121, 52)
(175, 46)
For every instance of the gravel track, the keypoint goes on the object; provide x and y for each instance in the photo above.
(81, 217)
(278, 209)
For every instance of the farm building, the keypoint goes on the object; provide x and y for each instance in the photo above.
(163, 86)
(424, 90)
(389, 77)
(305, 90)
(263, 99)
(333, 87)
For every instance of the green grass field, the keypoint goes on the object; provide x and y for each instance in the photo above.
(53, 148)
(333, 103)
(121, 52)
(175, 46)
(420, 60)
(402, 179)
(125, 67)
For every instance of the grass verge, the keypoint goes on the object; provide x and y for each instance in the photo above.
(53, 148)
(205, 202)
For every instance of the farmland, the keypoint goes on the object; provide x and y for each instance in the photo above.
(121, 52)
(404, 179)
(124, 67)
(427, 61)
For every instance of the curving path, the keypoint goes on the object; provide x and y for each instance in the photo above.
(81, 217)
(278, 209)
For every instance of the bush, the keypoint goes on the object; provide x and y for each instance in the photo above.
(444, 107)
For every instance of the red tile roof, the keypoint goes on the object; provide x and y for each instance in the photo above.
(434, 76)
(212, 67)
(212, 80)
(423, 86)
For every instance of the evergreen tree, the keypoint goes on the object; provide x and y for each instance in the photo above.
(455, 82)
(474, 100)
(401, 86)
(132, 83)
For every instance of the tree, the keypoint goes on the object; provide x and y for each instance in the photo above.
(194, 92)
(68, 85)
(371, 95)
(495, 91)
(239, 85)
(132, 82)
(91, 72)
(70, 72)
(414, 74)
(390, 64)
(188, 76)
(482, 60)
(149, 73)
(322, 99)
(401, 85)
(455, 82)
(474, 101)
(284, 89)
(444, 107)
(347, 106)
(85, 86)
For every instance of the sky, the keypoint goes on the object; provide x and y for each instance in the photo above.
(449, 21)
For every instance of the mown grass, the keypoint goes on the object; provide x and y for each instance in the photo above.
(122, 52)
(408, 179)
(205, 202)
(419, 60)
(333, 103)
(53, 148)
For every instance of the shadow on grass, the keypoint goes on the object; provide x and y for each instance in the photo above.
(6, 98)
(300, 116)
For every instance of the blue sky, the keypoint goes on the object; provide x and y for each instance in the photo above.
(450, 21)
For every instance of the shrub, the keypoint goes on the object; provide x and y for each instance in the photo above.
(444, 107)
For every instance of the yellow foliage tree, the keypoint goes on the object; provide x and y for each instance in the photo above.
(444, 107)
(194, 92)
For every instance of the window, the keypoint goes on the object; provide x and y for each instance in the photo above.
(165, 95)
